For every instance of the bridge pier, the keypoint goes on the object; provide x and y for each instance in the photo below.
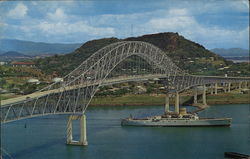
(240, 84)
(204, 100)
(167, 104)
(229, 87)
(240, 87)
(225, 87)
(195, 95)
(212, 89)
(245, 85)
(83, 132)
(216, 88)
(177, 103)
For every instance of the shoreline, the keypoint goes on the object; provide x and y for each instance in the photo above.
(158, 100)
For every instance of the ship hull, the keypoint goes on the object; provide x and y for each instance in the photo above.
(177, 122)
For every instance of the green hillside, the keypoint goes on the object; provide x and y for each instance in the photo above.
(176, 45)
(63, 64)
(188, 55)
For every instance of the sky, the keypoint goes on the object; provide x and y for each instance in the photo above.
(212, 23)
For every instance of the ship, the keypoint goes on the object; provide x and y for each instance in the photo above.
(173, 119)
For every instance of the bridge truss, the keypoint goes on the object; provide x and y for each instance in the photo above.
(74, 94)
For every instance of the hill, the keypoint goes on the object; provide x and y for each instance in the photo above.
(63, 64)
(231, 52)
(183, 52)
(13, 55)
(36, 48)
(176, 45)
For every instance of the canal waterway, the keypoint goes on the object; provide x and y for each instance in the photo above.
(45, 137)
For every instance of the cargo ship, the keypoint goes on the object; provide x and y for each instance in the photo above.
(173, 119)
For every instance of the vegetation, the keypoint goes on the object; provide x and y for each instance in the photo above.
(240, 69)
(15, 79)
(228, 98)
(188, 55)
(63, 64)
(176, 46)
(154, 99)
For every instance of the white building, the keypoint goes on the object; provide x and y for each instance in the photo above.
(33, 80)
(57, 79)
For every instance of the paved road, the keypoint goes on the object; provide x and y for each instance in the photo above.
(116, 80)
(106, 82)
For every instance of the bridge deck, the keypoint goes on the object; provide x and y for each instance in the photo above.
(111, 81)
(106, 82)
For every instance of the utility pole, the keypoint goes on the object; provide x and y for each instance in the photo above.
(132, 34)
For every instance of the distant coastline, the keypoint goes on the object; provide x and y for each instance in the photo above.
(237, 59)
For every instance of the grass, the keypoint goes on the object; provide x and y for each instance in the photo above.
(153, 99)
(146, 99)
(228, 98)
(128, 100)
(7, 96)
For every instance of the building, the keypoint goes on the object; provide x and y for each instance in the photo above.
(57, 79)
(33, 80)
(211, 58)
(23, 64)
(3, 63)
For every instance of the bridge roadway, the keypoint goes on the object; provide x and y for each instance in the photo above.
(110, 81)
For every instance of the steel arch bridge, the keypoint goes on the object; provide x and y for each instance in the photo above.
(74, 94)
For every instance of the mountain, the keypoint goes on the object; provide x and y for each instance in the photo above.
(231, 52)
(182, 51)
(63, 64)
(13, 56)
(36, 48)
(176, 45)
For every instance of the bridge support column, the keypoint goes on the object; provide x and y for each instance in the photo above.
(204, 100)
(229, 87)
(245, 85)
(212, 89)
(216, 88)
(240, 85)
(83, 132)
(225, 87)
(195, 95)
(167, 104)
(177, 103)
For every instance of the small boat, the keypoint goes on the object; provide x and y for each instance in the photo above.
(236, 155)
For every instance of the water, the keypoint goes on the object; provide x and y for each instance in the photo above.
(238, 59)
(44, 137)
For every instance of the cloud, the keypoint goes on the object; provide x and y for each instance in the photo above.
(58, 23)
(63, 28)
(246, 3)
(182, 21)
(175, 19)
(213, 24)
(242, 5)
(18, 12)
(58, 15)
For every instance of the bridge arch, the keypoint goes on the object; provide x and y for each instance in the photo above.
(79, 86)
(74, 94)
